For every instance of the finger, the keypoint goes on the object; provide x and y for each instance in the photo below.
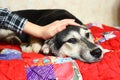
(73, 23)
(62, 27)
(69, 22)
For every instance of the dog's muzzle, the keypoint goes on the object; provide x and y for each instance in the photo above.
(96, 53)
(95, 50)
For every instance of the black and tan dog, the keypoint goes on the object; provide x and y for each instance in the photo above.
(76, 42)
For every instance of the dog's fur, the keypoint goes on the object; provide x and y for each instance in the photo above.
(75, 41)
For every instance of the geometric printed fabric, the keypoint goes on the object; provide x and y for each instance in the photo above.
(40, 73)
(51, 68)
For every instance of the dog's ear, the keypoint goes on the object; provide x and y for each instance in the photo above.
(50, 41)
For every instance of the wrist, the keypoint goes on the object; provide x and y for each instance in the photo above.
(33, 29)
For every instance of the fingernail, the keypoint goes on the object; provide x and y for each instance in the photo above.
(78, 24)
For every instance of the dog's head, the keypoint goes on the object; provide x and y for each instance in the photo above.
(76, 42)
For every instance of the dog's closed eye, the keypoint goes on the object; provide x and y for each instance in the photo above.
(72, 40)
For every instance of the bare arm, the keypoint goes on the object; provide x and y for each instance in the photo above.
(18, 24)
(48, 31)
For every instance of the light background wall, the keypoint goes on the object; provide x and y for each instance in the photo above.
(100, 11)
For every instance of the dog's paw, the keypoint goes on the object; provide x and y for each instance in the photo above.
(45, 49)
(36, 47)
(26, 48)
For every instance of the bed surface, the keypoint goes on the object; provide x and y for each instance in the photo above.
(32, 66)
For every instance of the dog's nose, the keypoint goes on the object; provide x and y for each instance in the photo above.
(96, 52)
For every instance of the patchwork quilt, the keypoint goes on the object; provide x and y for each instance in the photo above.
(18, 65)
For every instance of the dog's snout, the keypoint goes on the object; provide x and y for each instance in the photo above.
(96, 52)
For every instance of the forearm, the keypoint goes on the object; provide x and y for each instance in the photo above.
(33, 29)
(18, 24)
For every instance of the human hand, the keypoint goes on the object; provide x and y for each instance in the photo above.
(48, 31)
(51, 29)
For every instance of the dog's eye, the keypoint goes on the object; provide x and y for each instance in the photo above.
(87, 35)
(72, 40)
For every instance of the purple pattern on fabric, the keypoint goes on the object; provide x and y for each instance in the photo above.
(40, 73)
(8, 54)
